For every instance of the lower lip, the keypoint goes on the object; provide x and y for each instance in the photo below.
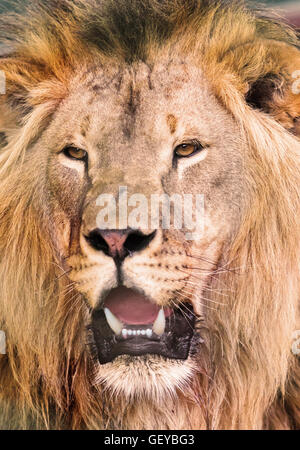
(173, 344)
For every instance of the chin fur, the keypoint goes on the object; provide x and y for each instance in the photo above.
(150, 377)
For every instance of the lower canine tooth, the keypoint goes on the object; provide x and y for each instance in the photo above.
(113, 322)
(160, 323)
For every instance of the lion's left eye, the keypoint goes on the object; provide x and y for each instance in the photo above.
(188, 149)
(75, 153)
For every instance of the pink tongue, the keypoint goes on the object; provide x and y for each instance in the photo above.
(132, 308)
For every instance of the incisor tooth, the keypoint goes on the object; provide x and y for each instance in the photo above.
(160, 323)
(113, 322)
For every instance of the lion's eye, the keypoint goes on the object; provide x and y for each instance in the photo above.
(186, 150)
(75, 153)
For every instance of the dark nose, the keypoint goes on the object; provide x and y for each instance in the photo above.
(119, 243)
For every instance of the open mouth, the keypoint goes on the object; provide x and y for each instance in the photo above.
(129, 323)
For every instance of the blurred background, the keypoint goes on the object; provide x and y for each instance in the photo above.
(290, 9)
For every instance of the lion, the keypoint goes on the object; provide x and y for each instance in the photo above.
(149, 326)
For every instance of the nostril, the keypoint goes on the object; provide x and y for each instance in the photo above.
(137, 241)
(118, 243)
(95, 239)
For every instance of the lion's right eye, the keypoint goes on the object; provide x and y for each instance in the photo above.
(75, 153)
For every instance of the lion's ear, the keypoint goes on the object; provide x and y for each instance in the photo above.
(19, 78)
(277, 90)
(26, 84)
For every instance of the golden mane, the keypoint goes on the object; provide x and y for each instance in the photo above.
(249, 377)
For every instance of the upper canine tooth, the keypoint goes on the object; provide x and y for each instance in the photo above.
(160, 323)
(113, 322)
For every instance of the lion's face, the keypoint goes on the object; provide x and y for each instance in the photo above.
(152, 131)
(149, 216)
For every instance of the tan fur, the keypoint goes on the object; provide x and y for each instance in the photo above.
(94, 85)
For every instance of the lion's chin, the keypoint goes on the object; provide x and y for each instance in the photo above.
(151, 377)
(130, 324)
